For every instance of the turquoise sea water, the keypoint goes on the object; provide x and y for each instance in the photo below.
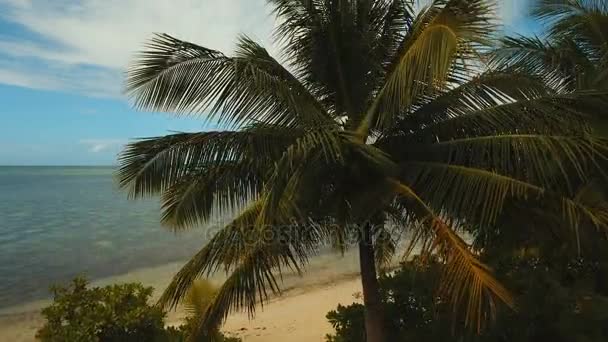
(59, 222)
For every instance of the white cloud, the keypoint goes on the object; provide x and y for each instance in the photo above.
(107, 32)
(513, 10)
(102, 145)
(85, 45)
(104, 34)
(45, 75)
(27, 80)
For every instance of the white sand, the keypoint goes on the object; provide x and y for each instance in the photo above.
(297, 317)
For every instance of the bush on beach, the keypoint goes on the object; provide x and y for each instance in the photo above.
(558, 300)
(81, 313)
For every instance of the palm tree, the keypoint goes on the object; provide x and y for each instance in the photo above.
(381, 117)
(573, 53)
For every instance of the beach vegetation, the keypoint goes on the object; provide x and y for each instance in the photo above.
(557, 300)
(119, 313)
(112, 313)
(377, 121)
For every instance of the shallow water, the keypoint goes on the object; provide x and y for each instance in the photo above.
(59, 222)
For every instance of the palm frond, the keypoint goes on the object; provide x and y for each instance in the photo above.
(545, 160)
(555, 9)
(385, 247)
(198, 298)
(572, 54)
(250, 283)
(440, 39)
(465, 193)
(181, 77)
(583, 20)
(488, 88)
(338, 48)
(213, 191)
(151, 165)
(297, 20)
(466, 280)
(396, 18)
(478, 197)
(298, 175)
(561, 63)
(258, 269)
(546, 114)
(222, 252)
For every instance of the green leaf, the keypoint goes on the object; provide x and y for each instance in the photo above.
(181, 77)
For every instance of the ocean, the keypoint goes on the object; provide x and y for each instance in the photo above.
(60, 222)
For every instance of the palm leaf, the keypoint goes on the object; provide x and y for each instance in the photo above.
(173, 75)
(442, 185)
(548, 114)
(385, 247)
(440, 39)
(573, 53)
(223, 251)
(213, 191)
(152, 165)
(478, 196)
(301, 165)
(584, 20)
(489, 88)
(548, 161)
(466, 280)
(291, 242)
(254, 270)
(198, 298)
(562, 64)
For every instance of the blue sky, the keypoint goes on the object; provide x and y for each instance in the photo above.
(62, 65)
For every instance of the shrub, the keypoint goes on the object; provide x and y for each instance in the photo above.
(410, 304)
(348, 322)
(111, 313)
(122, 313)
(558, 301)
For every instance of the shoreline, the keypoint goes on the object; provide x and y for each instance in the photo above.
(328, 277)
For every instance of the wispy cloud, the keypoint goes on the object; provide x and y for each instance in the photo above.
(103, 145)
(85, 45)
(512, 11)
(24, 79)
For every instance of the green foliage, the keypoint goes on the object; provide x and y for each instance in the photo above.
(377, 110)
(115, 313)
(561, 301)
(411, 308)
(347, 321)
(572, 53)
(111, 313)
(558, 300)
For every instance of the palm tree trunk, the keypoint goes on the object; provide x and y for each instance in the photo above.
(374, 316)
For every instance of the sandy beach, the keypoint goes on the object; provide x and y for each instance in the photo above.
(298, 315)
